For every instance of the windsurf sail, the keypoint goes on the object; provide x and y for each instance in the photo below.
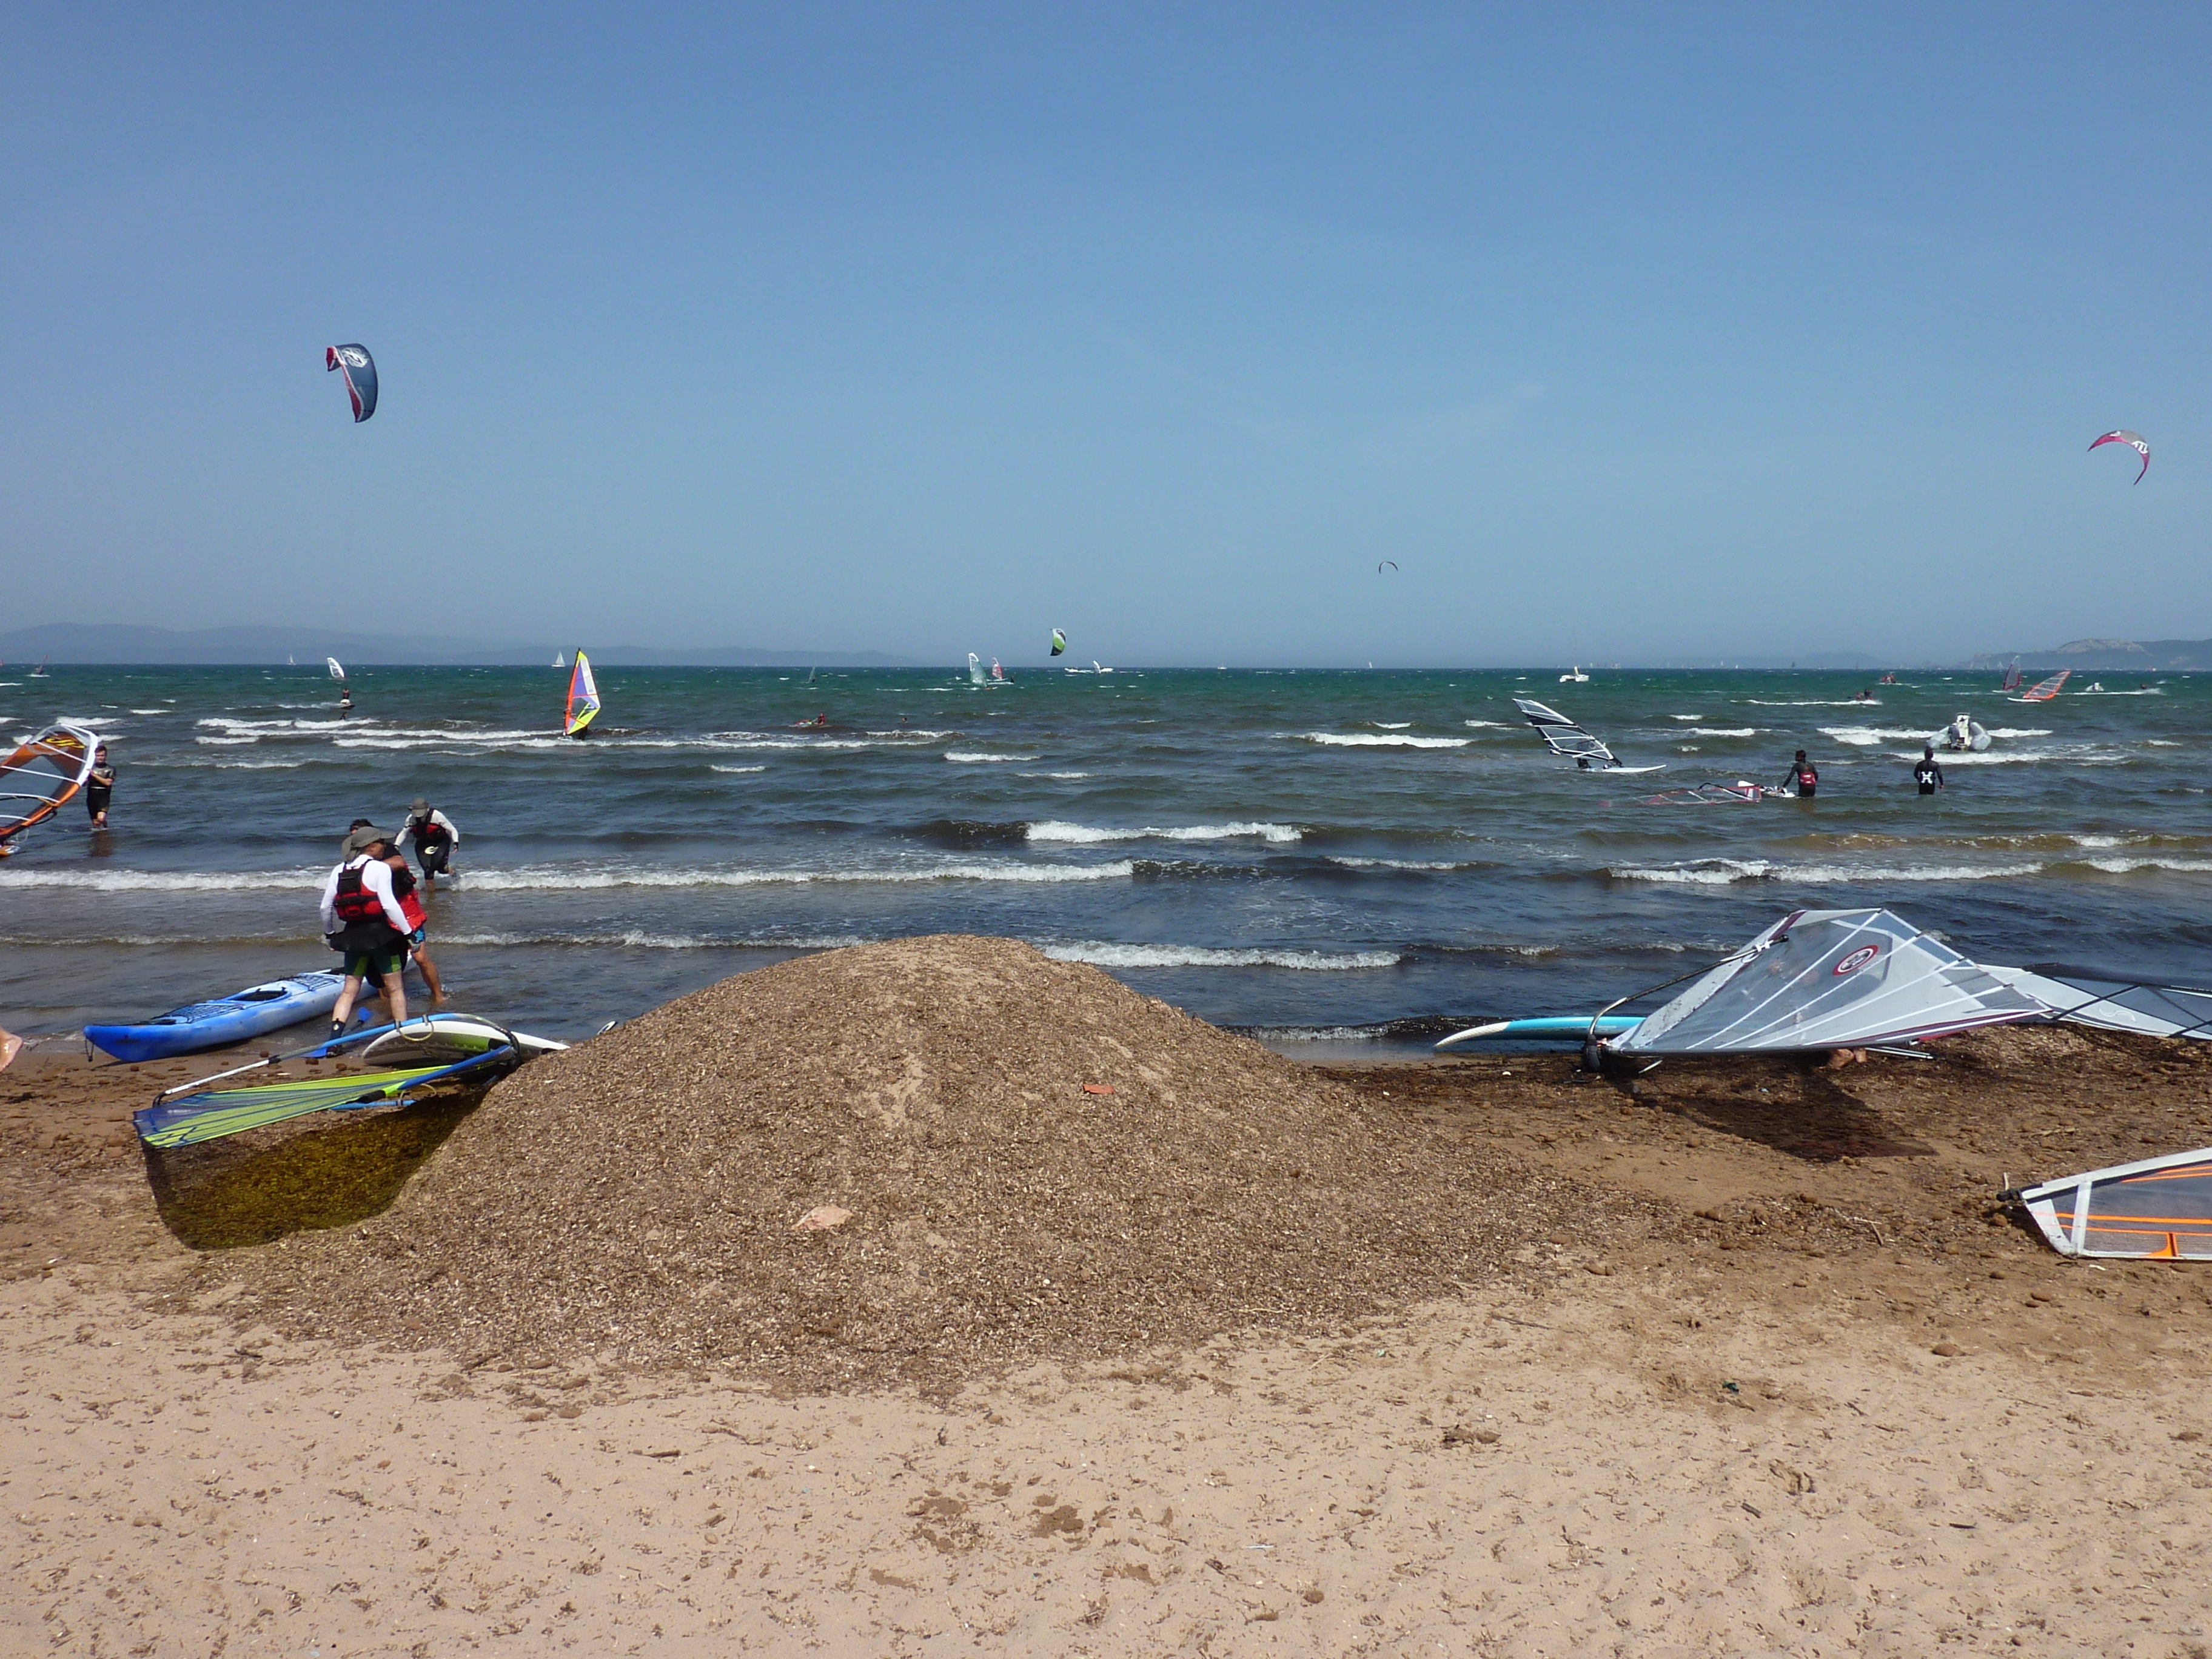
(975, 670)
(583, 696)
(1562, 736)
(360, 371)
(2045, 690)
(2012, 676)
(1831, 979)
(214, 1113)
(1717, 794)
(1058, 643)
(39, 672)
(38, 778)
(336, 668)
(2158, 1210)
(2114, 1004)
(2134, 441)
(997, 674)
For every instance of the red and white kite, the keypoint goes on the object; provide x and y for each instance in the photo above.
(2133, 440)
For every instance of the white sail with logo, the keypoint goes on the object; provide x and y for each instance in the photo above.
(1831, 979)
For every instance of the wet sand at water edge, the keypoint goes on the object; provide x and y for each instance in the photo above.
(1777, 1374)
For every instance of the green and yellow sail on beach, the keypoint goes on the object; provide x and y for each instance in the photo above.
(583, 697)
(221, 1112)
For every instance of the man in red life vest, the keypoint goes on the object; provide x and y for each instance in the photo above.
(362, 918)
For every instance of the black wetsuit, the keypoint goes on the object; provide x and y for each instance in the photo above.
(1927, 774)
(1805, 775)
(97, 789)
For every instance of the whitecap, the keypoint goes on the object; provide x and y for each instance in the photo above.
(1103, 954)
(737, 769)
(1363, 740)
(975, 757)
(1084, 834)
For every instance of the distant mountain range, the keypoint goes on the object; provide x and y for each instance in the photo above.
(2124, 656)
(116, 643)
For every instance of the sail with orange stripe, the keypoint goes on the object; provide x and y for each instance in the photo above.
(2159, 1210)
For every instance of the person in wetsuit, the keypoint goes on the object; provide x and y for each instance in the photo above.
(1803, 776)
(1925, 772)
(98, 787)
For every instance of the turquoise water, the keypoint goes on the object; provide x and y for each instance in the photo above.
(1326, 851)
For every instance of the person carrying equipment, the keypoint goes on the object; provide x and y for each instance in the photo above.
(1925, 772)
(99, 785)
(1804, 774)
(418, 946)
(363, 919)
(435, 838)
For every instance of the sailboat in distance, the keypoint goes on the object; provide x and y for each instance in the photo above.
(560, 661)
(583, 697)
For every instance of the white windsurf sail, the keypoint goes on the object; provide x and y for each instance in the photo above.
(975, 675)
(2116, 1005)
(40, 776)
(336, 668)
(1831, 979)
(2159, 1210)
(2012, 678)
(1564, 737)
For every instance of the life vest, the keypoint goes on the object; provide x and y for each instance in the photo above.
(429, 834)
(356, 903)
(1807, 777)
(403, 889)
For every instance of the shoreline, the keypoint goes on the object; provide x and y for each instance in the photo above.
(1816, 1241)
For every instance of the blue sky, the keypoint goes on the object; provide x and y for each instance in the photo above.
(1628, 331)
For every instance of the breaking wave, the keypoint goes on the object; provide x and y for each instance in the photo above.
(1084, 834)
(1366, 740)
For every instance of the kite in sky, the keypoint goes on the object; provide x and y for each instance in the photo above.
(2134, 441)
(360, 371)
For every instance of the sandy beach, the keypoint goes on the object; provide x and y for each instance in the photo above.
(1761, 1367)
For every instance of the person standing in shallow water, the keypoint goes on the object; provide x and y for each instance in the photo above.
(1925, 771)
(1803, 776)
(99, 786)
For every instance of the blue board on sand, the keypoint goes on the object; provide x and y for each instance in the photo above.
(243, 1014)
(1563, 1028)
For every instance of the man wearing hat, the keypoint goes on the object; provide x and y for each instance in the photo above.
(362, 918)
(435, 838)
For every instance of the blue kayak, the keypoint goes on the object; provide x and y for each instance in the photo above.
(243, 1014)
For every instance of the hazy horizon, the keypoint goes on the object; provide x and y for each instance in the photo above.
(1627, 337)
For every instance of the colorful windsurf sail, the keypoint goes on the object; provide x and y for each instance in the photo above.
(217, 1112)
(2045, 690)
(1831, 979)
(1717, 794)
(583, 697)
(40, 776)
(2134, 441)
(360, 371)
(1058, 643)
(1562, 736)
(2158, 1210)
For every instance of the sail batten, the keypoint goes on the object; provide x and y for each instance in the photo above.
(1562, 736)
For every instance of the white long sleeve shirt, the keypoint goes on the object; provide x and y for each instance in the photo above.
(407, 829)
(376, 876)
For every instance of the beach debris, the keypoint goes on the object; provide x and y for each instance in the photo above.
(634, 1197)
(821, 1219)
(2159, 1209)
(10, 1046)
(1460, 1435)
(1097, 1088)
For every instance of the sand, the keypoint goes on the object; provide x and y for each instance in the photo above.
(1939, 1434)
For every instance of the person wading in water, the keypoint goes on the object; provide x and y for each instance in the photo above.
(363, 921)
(1803, 775)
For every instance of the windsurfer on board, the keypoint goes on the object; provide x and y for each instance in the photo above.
(1804, 774)
(346, 700)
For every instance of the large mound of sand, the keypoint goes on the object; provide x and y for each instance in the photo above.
(1038, 1162)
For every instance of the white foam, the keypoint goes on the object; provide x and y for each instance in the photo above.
(636, 938)
(975, 757)
(1723, 731)
(737, 769)
(557, 878)
(1721, 873)
(2124, 866)
(150, 711)
(1489, 726)
(1364, 740)
(1101, 954)
(1397, 864)
(1865, 736)
(1818, 702)
(166, 881)
(2015, 730)
(1686, 717)
(1084, 834)
(2162, 743)
(1061, 777)
(1391, 726)
(225, 740)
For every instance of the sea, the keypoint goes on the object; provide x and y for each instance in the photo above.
(1345, 863)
